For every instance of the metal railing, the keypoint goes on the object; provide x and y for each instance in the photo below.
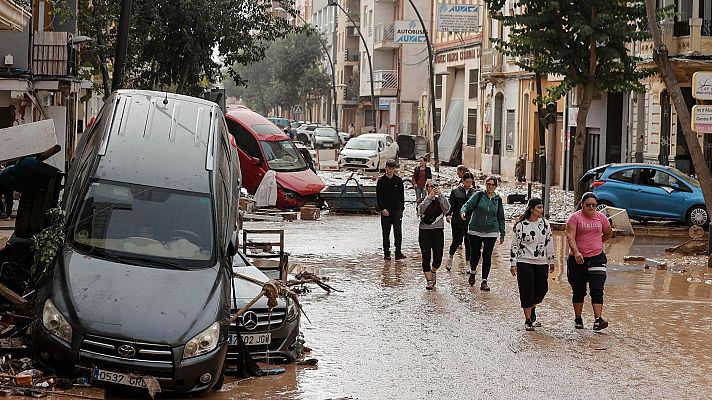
(385, 79)
(384, 33)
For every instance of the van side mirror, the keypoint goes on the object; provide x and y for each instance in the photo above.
(232, 245)
(257, 161)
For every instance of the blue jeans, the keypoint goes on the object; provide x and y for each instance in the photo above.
(419, 193)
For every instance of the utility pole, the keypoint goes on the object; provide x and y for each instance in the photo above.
(542, 133)
(368, 55)
(122, 44)
(432, 83)
(551, 121)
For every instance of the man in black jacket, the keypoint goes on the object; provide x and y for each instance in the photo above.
(391, 203)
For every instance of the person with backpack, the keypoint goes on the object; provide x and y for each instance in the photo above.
(532, 258)
(421, 174)
(458, 197)
(485, 226)
(431, 236)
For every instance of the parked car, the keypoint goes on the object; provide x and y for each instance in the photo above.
(305, 133)
(151, 200)
(326, 138)
(280, 122)
(306, 153)
(369, 151)
(265, 335)
(649, 191)
(262, 147)
(344, 136)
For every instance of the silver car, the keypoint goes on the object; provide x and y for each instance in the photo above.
(266, 335)
(326, 138)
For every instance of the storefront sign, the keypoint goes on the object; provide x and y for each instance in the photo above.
(408, 32)
(455, 56)
(384, 103)
(702, 119)
(702, 85)
(458, 18)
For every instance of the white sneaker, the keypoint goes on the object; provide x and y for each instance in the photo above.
(448, 263)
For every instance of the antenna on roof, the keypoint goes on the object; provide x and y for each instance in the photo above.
(165, 101)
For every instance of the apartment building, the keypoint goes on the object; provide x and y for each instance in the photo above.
(347, 60)
(38, 78)
(324, 21)
(655, 135)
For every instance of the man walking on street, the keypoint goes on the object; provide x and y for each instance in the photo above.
(391, 202)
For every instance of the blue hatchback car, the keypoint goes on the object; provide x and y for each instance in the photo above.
(649, 191)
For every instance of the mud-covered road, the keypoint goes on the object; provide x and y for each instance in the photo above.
(387, 337)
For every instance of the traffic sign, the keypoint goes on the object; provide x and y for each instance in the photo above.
(297, 109)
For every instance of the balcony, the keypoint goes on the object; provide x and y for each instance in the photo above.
(50, 54)
(491, 61)
(385, 83)
(351, 31)
(351, 56)
(384, 36)
(346, 96)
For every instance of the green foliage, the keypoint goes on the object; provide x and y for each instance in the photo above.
(557, 35)
(291, 71)
(172, 42)
(47, 244)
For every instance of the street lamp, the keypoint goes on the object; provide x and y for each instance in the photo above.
(281, 10)
(368, 54)
(432, 83)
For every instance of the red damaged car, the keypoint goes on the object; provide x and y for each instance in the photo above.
(263, 146)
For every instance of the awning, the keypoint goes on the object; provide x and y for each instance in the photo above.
(451, 135)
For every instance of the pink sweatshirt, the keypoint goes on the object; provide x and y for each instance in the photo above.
(589, 232)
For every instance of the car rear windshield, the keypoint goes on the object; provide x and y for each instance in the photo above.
(687, 178)
(325, 132)
(283, 156)
(154, 223)
(362, 144)
(266, 129)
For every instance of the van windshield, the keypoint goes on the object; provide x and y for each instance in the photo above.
(283, 156)
(155, 224)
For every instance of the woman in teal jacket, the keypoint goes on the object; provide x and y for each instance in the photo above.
(486, 225)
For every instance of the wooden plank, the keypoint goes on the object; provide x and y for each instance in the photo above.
(27, 139)
(12, 296)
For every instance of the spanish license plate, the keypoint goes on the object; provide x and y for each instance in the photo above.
(253, 339)
(118, 378)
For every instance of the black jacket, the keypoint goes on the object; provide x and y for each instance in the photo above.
(458, 198)
(389, 193)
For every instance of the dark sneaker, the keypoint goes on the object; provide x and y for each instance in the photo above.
(484, 286)
(578, 323)
(387, 257)
(533, 318)
(529, 325)
(430, 285)
(472, 279)
(400, 256)
(599, 324)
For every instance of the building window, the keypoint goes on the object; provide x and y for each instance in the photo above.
(472, 127)
(438, 86)
(436, 120)
(474, 83)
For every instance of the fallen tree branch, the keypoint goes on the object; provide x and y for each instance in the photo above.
(271, 289)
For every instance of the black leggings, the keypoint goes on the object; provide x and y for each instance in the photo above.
(532, 282)
(476, 249)
(431, 240)
(591, 272)
(458, 234)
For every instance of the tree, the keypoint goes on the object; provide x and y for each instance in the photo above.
(585, 41)
(172, 42)
(291, 71)
(660, 56)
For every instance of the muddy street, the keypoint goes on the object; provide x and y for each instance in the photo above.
(386, 337)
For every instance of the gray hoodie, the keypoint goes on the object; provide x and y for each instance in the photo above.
(439, 223)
